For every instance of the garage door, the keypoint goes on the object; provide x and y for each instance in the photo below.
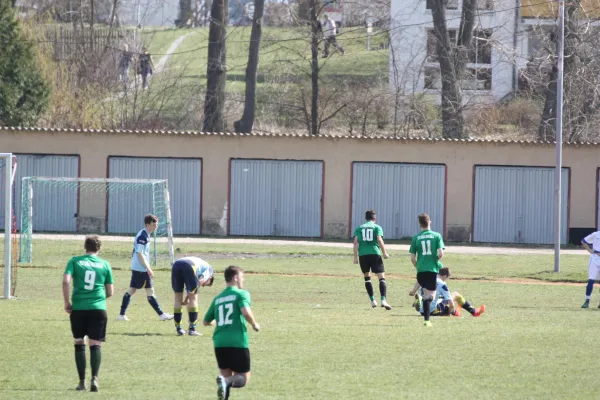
(516, 205)
(398, 192)
(54, 206)
(184, 176)
(275, 198)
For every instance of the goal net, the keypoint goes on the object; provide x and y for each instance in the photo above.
(55, 213)
(8, 223)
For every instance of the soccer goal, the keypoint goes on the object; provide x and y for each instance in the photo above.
(8, 168)
(61, 209)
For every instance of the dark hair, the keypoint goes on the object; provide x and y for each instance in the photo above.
(231, 272)
(92, 244)
(444, 271)
(424, 220)
(150, 218)
(370, 215)
(211, 279)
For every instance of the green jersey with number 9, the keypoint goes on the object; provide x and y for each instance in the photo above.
(367, 238)
(90, 273)
(225, 309)
(425, 245)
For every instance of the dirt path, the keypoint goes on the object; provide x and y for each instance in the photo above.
(474, 250)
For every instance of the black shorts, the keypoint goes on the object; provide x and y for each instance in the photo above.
(90, 323)
(234, 358)
(427, 280)
(182, 274)
(371, 262)
(140, 280)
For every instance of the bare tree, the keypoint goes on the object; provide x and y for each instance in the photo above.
(247, 121)
(216, 74)
(453, 60)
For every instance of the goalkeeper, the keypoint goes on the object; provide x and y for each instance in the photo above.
(444, 303)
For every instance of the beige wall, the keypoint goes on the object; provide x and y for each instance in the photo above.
(460, 158)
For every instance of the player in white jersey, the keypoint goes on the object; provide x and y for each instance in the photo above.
(191, 273)
(141, 273)
(444, 302)
(592, 244)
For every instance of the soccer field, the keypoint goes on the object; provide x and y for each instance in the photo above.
(319, 337)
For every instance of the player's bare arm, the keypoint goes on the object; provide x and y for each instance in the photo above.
(109, 288)
(413, 259)
(382, 247)
(208, 323)
(440, 254)
(66, 283)
(587, 247)
(247, 313)
(144, 262)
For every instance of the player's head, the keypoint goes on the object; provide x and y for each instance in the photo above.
(234, 276)
(424, 221)
(371, 215)
(92, 244)
(444, 273)
(151, 222)
(209, 281)
(326, 16)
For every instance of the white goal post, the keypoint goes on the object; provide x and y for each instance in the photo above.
(9, 164)
(99, 197)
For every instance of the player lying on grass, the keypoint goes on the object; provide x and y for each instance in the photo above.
(444, 303)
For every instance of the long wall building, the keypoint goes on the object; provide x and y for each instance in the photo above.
(302, 186)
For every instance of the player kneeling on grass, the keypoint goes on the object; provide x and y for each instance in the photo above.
(92, 285)
(592, 244)
(444, 303)
(191, 273)
(231, 310)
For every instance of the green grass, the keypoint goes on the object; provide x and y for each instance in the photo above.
(319, 338)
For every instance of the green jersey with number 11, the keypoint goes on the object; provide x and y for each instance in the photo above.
(425, 245)
(230, 330)
(367, 238)
(90, 273)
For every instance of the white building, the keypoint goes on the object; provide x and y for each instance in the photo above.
(492, 72)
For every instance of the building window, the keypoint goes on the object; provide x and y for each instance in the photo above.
(433, 79)
(477, 79)
(481, 51)
(484, 4)
(450, 5)
(432, 54)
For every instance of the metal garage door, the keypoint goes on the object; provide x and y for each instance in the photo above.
(54, 206)
(398, 192)
(184, 175)
(516, 205)
(276, 198)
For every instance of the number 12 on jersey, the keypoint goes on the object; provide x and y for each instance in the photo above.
(225, 316)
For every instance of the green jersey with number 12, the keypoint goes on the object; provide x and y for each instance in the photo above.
(425, 245)
(225, 309)
(367, 238)
(90, 273)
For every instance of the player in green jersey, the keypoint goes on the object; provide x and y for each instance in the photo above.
(368, 249)
(426, 251)
(92, 285)
(231, 309)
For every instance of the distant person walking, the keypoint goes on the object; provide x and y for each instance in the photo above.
(145, 66)
(330, 32)
(124, 65)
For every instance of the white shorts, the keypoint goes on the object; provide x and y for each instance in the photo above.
(594, 270)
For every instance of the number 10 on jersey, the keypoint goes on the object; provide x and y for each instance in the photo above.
(367, 235)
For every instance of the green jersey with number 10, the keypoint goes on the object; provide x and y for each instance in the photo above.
(230, 330)
(90, 273)
(425, 245)
(367, 238)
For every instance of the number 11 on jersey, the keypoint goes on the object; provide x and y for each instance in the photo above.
(426, 245)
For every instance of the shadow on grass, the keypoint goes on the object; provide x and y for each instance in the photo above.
(138, 334)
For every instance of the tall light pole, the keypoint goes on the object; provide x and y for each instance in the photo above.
(559, 134)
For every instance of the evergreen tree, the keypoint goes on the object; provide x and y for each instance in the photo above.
(24, 94)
